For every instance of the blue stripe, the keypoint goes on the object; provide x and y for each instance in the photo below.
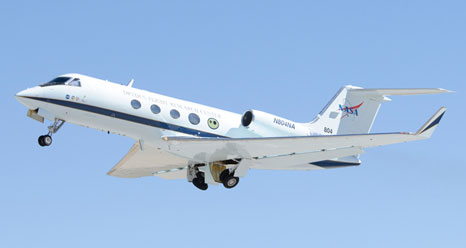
(435, 122)
(333, 164)
(128, 117)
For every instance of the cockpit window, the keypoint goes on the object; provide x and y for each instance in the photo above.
(57, 81)
(63, 81)
(75, 82)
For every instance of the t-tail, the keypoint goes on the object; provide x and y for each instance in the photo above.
(353, 109)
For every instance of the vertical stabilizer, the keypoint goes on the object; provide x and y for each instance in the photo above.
(327, 121)
(353, 109)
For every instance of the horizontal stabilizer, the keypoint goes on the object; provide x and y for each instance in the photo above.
(394, 92)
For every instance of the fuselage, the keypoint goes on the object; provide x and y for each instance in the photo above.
(132, 112)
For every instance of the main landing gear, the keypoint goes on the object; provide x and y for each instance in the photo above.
(46, 140)
(199, 181)
(226, 177)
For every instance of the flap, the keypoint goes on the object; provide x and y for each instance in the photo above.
(212, 149)
(148, 162)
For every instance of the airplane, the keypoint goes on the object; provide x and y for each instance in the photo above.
(177, 139)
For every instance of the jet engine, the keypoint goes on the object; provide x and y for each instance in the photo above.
(268, 125)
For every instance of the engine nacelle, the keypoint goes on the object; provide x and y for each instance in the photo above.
(268, 125)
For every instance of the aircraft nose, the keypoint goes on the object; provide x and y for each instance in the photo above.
(23, 96)
(22, 93)
(31, 92)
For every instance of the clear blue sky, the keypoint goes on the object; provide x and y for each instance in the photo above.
(287, 58)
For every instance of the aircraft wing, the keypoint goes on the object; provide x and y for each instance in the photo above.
(295, 153)
(256, 149)
(149, 161)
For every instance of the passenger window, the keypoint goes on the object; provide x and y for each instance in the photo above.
(75, 82)
(155, 109)
(194, 119)
(174, 114)
(136, 104)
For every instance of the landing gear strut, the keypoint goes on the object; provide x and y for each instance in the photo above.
(46, 140)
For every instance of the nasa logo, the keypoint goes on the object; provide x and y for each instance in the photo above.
(350, 110)
(67, 96)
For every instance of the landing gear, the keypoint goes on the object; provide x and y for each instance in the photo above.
(199, 181)
(219, 173)
(197, 177)
(228, 179)
(46, 140)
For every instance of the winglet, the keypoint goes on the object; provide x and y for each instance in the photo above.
(428, 129)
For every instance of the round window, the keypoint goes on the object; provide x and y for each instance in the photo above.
(136, 104)
(174, 114)
(155, 109)
(194, 119)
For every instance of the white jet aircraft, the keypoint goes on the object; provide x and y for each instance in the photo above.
(179, 139)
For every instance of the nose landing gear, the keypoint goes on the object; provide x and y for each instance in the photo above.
(46, 140)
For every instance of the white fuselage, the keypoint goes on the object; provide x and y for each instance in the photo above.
(108, 107)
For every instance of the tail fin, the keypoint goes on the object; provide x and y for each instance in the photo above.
(353, 109)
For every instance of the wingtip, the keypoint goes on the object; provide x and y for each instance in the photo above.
(445, 90)
(428, 128)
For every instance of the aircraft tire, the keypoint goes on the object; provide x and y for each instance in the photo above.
(41, 140)
(230, 181)
(47, 140)
(200, 184)
(224, 175)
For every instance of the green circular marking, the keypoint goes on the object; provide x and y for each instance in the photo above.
(213, 123)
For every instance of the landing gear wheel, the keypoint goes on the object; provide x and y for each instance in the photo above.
(40, 140)
(200, 185)
(45, 140)
(199, 181)
(224, 174)
(230, 181)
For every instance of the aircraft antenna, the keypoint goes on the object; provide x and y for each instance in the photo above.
(130, 84)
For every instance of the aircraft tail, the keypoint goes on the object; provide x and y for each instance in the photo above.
(353, 109)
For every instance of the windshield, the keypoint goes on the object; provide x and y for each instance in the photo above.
(63, 81)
